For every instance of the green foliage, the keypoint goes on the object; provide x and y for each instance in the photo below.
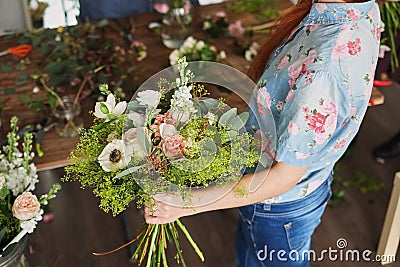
(76, 59)
(85, 169)
(357, 179)
(8, 222)
(390, 16)
(261, 8)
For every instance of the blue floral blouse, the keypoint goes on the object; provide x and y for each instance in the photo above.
(317, 86)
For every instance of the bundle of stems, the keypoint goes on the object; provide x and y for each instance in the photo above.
(153, 240)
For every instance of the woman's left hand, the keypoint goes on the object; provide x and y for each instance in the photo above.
(161, 213)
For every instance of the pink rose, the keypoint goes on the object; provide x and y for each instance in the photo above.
(26, 206)
(160, 118)
(161, 8)
(236, 29)
(317, 123)
(173, 146)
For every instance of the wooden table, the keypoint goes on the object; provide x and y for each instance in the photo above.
(57, 149)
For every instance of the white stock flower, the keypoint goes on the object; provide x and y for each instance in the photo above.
(182, 105)
(200, 45)
(109, 109)
(188, 43)
(149, 98)
(116, 155)
(2, 180)
(173, 57)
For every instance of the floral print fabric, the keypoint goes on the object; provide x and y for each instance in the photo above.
(317, 85)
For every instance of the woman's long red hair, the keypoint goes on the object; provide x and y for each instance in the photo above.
(285, 26)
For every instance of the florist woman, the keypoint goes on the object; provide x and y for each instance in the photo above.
(316, 72)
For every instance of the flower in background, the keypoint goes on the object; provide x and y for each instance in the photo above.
(20, 209)
(161, 8)
(236, 30)
(216, 25)
(140, 50)
(26, 206)
(196, 50)
(250, 53)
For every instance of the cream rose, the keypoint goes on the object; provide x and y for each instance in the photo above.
(26, 206)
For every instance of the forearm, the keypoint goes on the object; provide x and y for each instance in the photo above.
(280, 179)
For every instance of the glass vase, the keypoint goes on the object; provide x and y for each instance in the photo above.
(67, 117)
(176, 27)
(18, 257)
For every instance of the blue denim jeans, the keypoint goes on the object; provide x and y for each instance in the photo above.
(278, 235)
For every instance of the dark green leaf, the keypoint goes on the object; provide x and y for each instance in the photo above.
(6, 67)
(2, 232)
(9, 91)
(26, 99)
(52, 100)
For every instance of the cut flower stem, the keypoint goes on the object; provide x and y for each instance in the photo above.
(152, 242)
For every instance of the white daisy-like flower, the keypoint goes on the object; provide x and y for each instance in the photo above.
(109, 109)
(149, 98)
(116, 155)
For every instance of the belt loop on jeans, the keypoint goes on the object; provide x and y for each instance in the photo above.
(266, 206)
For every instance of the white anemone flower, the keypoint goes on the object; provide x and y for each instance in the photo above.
(149, 98)
(116, 155)
(109, 109)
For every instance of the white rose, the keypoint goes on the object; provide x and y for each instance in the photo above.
(149, 98)
(167, 130)
(136, 118)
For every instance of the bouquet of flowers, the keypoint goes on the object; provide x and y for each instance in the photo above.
(196, 50)
(20, 209)
(173, 140)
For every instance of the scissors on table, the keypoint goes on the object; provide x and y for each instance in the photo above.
(20, 50)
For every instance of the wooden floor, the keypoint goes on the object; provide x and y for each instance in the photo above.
(80, 228)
